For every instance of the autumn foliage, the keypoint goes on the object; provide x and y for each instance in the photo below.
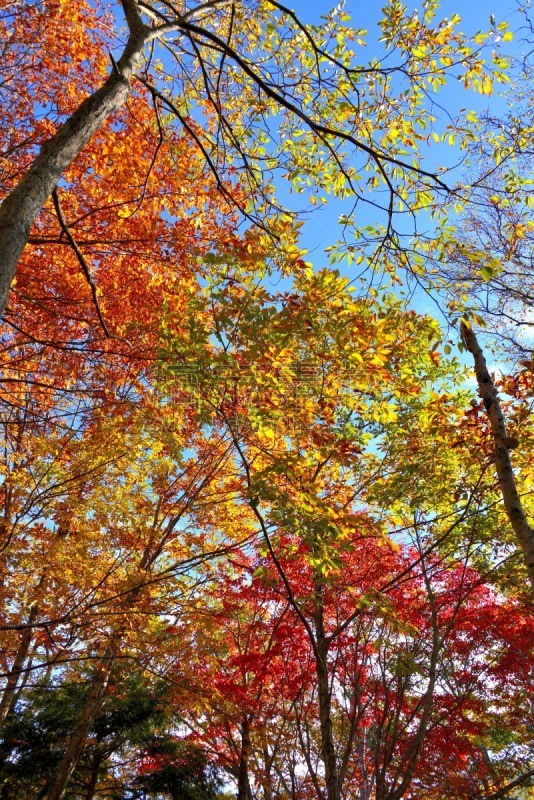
(252, 543)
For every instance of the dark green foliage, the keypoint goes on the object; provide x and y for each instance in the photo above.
(33, 737)
(132, 748)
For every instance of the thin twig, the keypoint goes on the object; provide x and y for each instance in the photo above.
(81, 258)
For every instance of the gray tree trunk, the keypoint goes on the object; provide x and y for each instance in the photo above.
(328, 749)
(23, 204)
(503, 444)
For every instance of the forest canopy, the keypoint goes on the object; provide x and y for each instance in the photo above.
(266, 527)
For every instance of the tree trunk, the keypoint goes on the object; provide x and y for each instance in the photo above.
(426, 705)
(15, 671)
(93, 778)
(328, 749)
(93, 703)
(133, 587)
(22, 205)
(83, 725)
(243, 785)
(267, 781)
(503, 444)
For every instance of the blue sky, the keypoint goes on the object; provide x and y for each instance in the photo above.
(322, 229)
(474, 13)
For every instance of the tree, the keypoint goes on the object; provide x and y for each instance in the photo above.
(339, 485)
(134, 726)
(247, 529)
(104, 544)
(503, 444)
(323, 95)
(325, 474)
(484, 270)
